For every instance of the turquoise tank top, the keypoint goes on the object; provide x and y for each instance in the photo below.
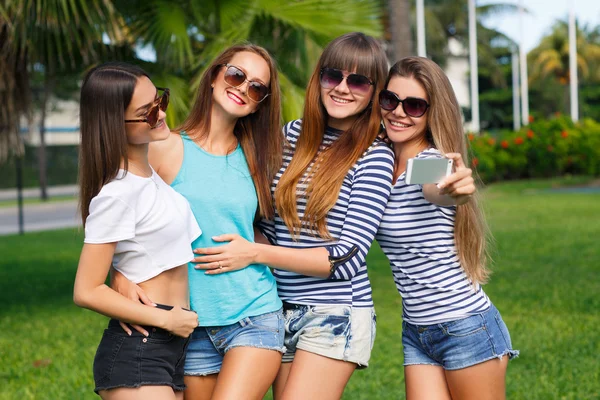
(223, 199)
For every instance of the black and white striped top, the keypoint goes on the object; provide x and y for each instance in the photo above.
(352, 222)
(418, 238)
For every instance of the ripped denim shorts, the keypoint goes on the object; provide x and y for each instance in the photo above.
(336, 331)
(458, 344)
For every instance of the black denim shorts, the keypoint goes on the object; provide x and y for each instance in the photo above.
(124, 361)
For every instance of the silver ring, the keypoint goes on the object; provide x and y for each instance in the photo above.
(220, 266)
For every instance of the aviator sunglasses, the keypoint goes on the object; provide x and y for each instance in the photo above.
(235, 77)
(331, 77)
(412, 106)
(160, 104)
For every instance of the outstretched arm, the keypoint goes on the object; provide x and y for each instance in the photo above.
(455, 189)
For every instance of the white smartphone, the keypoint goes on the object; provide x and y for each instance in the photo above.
(427, 170)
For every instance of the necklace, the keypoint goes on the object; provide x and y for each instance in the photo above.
(139, 169)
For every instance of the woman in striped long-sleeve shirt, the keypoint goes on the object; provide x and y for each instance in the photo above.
(453, 337)
(330, 195)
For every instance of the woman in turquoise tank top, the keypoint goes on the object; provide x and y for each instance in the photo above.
(222, 160)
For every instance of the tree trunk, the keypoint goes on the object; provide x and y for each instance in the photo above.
(19, 170)
(401, 43)
(42, 163)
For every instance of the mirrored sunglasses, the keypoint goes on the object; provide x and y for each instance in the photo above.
(235, 77)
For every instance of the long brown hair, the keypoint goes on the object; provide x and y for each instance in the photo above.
(352, 52)
(258, 133)
(105, 95)
(445, 132)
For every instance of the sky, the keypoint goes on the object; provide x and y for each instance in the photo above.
(541, 17)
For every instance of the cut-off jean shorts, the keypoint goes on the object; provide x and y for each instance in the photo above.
(124, 361)
(335, 331)
(209, 344)
(458, 344)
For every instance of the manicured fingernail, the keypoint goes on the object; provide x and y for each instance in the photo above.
(154, 304)
(129, 333)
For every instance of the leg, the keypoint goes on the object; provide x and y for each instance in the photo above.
(317, 377)
(240, 376)
(281, 379)
(485, 381)
(199, 387)
(141, 393)
(426, 382)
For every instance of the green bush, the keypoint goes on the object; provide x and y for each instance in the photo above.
(544, 148)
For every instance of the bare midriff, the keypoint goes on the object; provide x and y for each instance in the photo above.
(169, 287)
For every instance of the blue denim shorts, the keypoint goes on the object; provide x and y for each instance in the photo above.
(208, 344)
(458, 344)
(336, 331)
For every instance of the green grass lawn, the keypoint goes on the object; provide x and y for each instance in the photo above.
(546, 283)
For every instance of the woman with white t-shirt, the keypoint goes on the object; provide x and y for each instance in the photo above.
(140, 226)
(454, 339)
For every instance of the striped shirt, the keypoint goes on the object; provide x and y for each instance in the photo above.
(418, 239)
(352, 222)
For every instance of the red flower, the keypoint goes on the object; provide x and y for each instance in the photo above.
(475, 162)
(491, 141)
(519, 140)
(530, 134)
(504, 144)
(557, 114)
(550, 148)
(564, 134)
(531, 119)
(471, 137)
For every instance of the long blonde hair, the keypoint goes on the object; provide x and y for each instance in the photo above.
(352, 51)
(259, 133)
(445, 132)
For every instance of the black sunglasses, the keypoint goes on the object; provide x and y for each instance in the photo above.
(160, 104)
(412, 106)
(235, 77)
(331, 77)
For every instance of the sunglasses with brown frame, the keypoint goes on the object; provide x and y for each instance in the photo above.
(160, 104)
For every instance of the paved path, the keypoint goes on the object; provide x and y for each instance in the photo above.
(53, 191)
(40, 217)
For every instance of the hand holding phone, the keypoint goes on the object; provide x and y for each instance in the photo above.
(427, 170)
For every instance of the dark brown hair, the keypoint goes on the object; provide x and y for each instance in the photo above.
(351, 52)
(105, 95)
(445, 132)
(258, 133)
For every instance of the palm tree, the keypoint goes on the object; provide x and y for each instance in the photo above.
(550, 59)
(187, 35)
(399, 32)
(51, 37)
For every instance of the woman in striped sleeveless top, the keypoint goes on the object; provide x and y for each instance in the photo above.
(454, 339)
(330, 195)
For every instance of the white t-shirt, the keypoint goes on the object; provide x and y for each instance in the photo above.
(152, 224)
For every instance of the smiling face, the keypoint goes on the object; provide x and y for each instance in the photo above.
(234, 101)
(401, 128)
(344, 105)
(144, 97)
